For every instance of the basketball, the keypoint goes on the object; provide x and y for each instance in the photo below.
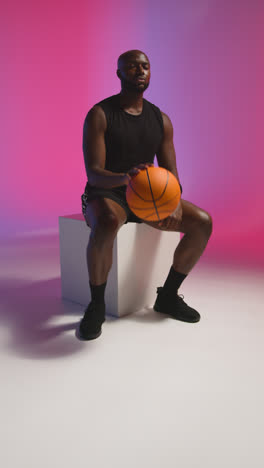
(153, 194)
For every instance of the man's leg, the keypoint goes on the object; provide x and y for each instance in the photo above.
(105, 217)
(197, 228)
(196, 225)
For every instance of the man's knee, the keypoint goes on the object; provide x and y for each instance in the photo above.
(106, 223)
(205, 221)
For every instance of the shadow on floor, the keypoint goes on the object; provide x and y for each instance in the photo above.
(30, 312)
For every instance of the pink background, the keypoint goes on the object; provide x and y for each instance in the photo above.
(59, 59)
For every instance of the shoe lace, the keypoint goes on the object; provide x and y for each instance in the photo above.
(180, 296)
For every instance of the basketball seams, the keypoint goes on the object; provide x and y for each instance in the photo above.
(167, 201)
(152, 194)
(157, 199)
(145, 208)
(146, 216)
(131, 186)
(150, 207)
(153, 212)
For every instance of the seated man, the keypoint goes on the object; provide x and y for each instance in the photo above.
(122, 134)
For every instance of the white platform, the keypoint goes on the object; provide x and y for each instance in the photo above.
(142, 257)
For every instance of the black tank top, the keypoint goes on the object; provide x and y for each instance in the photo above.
(130, 139)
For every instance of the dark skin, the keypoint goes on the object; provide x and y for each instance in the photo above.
(105, 216)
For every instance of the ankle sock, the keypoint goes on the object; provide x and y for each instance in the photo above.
(97, 293)
(173, 281)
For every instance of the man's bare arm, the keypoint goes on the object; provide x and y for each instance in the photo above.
(166, 155)
(94, 152)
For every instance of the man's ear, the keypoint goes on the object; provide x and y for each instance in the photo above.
(118, 73)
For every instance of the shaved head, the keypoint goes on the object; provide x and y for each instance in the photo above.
(122, 59)
(133, 71)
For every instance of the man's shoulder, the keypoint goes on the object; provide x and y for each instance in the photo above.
(153, 106)
(108, 101)
(98, 110)
(156, 110)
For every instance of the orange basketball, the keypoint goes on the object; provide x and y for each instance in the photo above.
(153, 194)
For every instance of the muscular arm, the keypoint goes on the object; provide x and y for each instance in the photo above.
(94, 152)
(166, 155)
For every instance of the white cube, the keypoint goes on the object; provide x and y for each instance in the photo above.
(142, 257)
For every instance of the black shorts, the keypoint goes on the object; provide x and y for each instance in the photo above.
(118, 194)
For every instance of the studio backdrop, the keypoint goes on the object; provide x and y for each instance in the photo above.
(58, 58)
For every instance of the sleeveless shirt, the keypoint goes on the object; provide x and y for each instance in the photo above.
(130, 139)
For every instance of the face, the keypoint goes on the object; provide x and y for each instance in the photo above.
(134, 73)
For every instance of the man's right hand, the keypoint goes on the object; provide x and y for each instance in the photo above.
(135, 170)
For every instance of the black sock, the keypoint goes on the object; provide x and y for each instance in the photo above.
(97, 293)
(173, 281)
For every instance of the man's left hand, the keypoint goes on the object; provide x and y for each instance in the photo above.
(174, 220)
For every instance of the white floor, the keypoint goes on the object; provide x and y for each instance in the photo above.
(151, 392)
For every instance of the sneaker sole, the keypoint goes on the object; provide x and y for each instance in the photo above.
(87, 338)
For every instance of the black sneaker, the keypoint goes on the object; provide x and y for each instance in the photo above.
(175, 307)
(91, 323)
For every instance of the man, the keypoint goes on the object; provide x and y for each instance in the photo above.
(121, 135)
